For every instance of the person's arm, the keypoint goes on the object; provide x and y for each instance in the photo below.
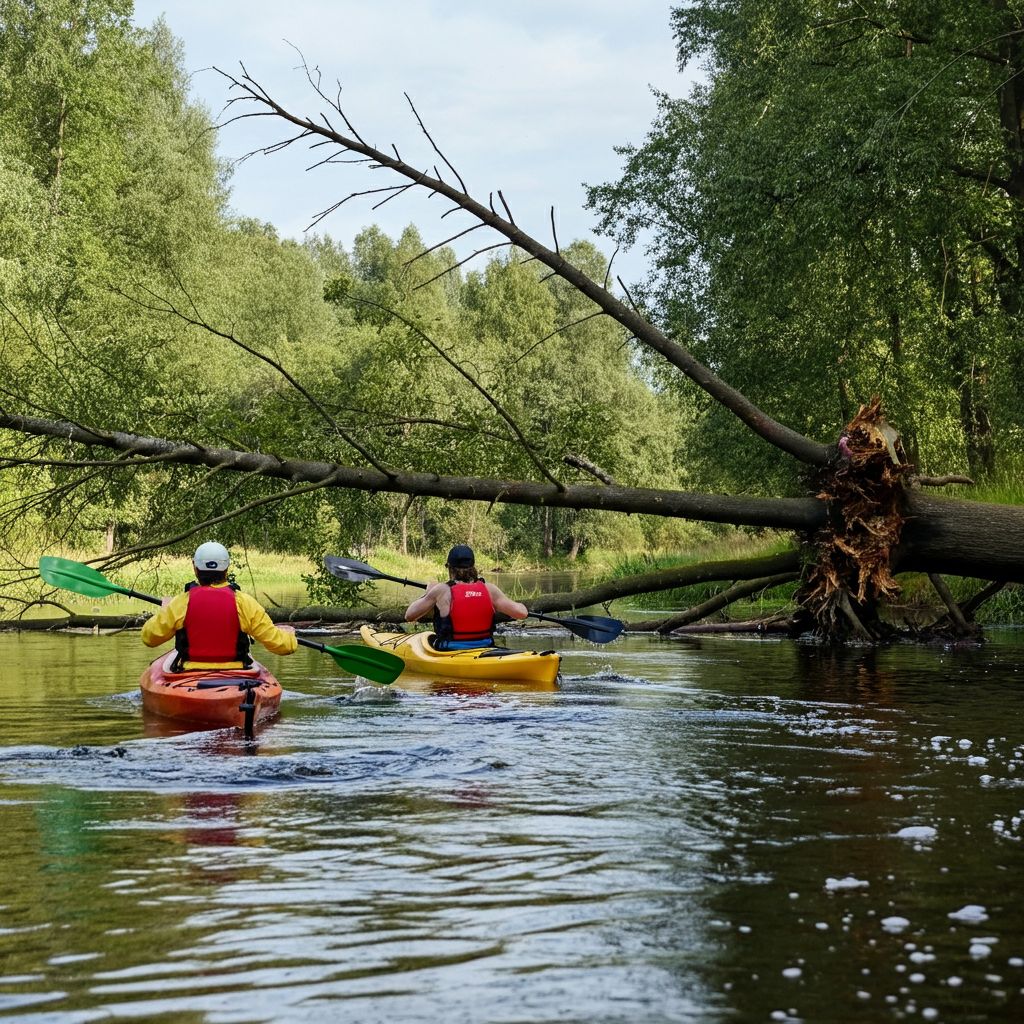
(504, 604)
(162, 626)
(254, 620)
(426, 603)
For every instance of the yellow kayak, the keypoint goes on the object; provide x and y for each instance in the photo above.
(486, 663)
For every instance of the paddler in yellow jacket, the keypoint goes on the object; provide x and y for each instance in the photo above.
(212, 621)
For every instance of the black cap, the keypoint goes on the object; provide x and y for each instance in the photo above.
(461, 557)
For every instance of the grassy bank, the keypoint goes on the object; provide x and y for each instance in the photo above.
(275, 578)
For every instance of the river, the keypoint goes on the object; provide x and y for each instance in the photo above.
(720, 829)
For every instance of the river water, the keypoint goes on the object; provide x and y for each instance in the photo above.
(719, 829)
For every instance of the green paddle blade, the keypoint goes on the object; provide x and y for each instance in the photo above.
(82, 579)
(380, 666)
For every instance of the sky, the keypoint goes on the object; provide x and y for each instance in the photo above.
(525, 96)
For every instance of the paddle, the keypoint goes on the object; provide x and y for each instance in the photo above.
(595, 628)
(380, 666)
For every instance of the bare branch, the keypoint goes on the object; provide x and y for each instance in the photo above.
(723, 599)
(942, 481)
(423, 127)
(511, 219)
(455, 266)
(962, 625)
(491, 400)
(783, 513)
(782, 437)
(588, 467)
(129, 554)
(451, 238)
(608, 271)
(197, 321)
(557, 330)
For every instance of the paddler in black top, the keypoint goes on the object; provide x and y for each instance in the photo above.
(464, 605)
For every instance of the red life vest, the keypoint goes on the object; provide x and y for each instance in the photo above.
(211, 631)
(472, 614)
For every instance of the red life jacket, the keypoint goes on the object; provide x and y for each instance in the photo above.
(211, 631)
(472, 614)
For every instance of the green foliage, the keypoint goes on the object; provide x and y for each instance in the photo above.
(833, 215)
(133, 300)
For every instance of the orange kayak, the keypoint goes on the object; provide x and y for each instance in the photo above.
(218, 697)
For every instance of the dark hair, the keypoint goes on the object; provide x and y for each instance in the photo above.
(208, 576)
(463, 573)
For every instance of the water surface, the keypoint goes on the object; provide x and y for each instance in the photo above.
(717, 829)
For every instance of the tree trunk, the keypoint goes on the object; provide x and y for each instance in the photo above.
(58, 155)
(547, 534)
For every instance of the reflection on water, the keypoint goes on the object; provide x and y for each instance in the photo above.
(721, 829)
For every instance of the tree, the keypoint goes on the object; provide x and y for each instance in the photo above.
(862, 519)
(842, 202)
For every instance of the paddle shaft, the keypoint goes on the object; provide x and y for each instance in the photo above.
(380, 666)
(369, 572)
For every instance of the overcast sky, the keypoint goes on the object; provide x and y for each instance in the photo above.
(524, 96)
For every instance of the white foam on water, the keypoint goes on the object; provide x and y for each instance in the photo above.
(894, 925)
(972, 913)
(918, 832)
(839, 884)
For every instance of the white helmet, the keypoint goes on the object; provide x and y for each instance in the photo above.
(211, 556)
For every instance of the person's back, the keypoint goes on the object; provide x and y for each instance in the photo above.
(212, 621)
(464, 606)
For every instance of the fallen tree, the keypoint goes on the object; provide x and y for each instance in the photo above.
(862, 522)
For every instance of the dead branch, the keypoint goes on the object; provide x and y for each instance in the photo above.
(772, 625)
(730, 595)
(775, 433)
(455, 266)
(944, 535)
(558, 330)
(969, 607)
(166, 306)
(962, 625)
(781, 513)
(129, 554)
(419, 121)
(942, 481)
(491, 400)
(588, 467)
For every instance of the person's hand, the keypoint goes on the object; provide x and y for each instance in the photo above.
(285, 628)
(164, 602)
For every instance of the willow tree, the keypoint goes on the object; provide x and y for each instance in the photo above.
(861, 519)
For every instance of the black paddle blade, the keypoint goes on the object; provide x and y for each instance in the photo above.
(600, 629)
(359, 572)
(349, 569)
(596, 628)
